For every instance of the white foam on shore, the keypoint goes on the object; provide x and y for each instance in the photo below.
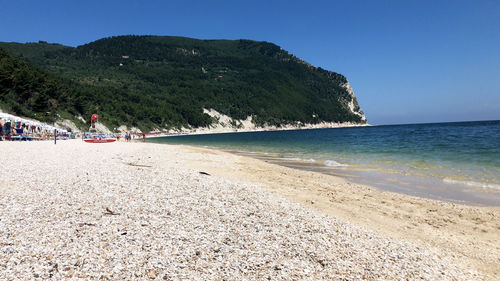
(291, 159)
(472, 183)
(299, 159)
(333, 163)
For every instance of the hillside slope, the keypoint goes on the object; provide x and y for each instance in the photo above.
(28, 91)
(158, 82)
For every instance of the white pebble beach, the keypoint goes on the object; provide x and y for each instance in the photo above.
(143, 211)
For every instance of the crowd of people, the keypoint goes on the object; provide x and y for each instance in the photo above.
(12, 131)
(19, 131)
(14, 128)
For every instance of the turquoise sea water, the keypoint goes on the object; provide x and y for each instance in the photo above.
(457, 162)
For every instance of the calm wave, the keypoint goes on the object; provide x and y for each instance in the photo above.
(421, 159)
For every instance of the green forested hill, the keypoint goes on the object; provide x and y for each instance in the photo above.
(151, 81)
(28, 91)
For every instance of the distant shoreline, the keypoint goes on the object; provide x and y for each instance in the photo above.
(406, 160)
(219, 130)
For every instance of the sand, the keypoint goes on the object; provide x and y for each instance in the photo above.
(144, 211)
(470, 234)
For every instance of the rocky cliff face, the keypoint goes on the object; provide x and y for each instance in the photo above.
(353, 102)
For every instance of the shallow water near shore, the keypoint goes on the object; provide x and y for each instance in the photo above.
(458, 162)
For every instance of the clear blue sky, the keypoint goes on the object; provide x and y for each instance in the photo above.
(408, 61)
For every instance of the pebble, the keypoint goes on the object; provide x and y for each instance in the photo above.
(84, 208)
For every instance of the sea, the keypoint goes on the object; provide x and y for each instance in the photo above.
(457, 162)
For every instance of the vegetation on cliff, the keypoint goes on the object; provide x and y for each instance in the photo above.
(151, 81)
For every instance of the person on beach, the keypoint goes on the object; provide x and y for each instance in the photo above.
(7, 130)
(19, 131)
(1, 131)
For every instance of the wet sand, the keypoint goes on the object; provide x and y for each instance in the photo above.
(468, 234)
(424, 187)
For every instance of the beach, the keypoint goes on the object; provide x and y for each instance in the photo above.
(169, 212)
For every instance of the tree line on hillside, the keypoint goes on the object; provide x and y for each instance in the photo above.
(150, 81)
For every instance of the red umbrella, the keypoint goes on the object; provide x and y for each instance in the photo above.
(94, 117)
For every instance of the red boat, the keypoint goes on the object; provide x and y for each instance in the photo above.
(93, 136)
(96, 140)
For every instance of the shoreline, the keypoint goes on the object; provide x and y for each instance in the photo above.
(323, 125)
(132, 179)
(468, 233)
(426, 187)
(226, 130)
